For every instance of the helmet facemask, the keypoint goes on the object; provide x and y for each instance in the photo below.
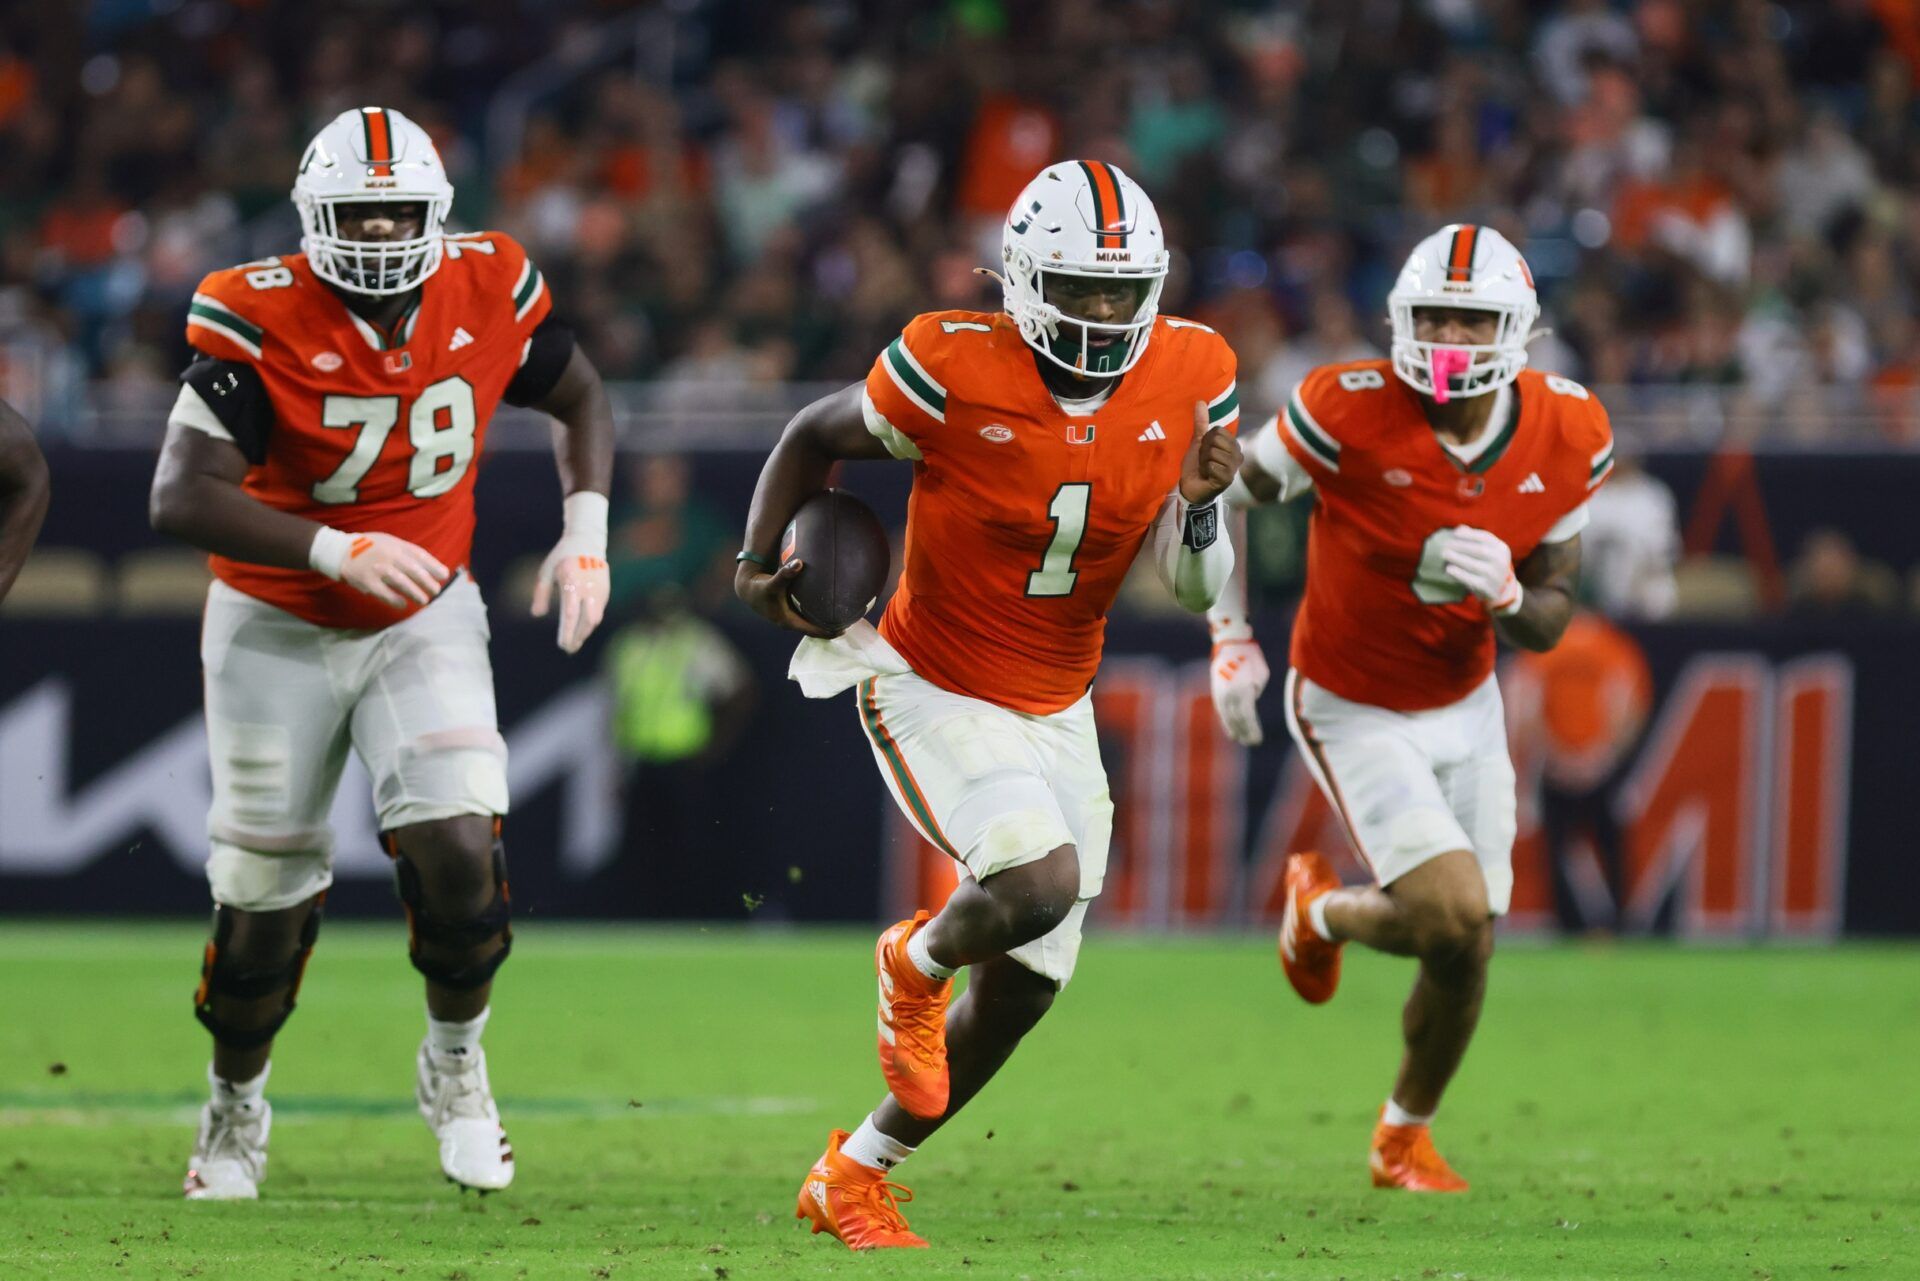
(1449, 371)
(377, 268)
(1088, 348)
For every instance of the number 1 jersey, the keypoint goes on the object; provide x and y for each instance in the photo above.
(363, 430)
(1025, 518)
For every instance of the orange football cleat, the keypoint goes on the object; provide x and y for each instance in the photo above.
(1311, 962)
(913, 1025)
(1403, 1156)
(855, 1202)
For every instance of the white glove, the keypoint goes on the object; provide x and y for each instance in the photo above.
(1483, 564)
(1238, 675)
(578, 566)
(391, 570)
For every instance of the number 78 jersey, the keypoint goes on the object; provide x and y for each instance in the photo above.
(1024, 519)
(359, 429)
(1382, 621)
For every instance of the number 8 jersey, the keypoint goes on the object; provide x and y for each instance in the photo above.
(1382, 622)
(361, 429)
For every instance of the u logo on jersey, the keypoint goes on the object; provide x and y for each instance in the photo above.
(1472, 486)
(1080, 433)
(399, 362)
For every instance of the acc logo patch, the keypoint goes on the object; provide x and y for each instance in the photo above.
(998, 433)
(1398, 477)
(328, 361)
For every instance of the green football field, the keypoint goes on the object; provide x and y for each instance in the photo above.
(1630, 1111)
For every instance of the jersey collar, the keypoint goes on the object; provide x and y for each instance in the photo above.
(1484, 450)
(402, 332)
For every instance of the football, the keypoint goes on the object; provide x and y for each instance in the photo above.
(844, 548)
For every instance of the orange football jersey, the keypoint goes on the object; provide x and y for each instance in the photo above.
(371, 431)
(1024, 519)
(1382, 622)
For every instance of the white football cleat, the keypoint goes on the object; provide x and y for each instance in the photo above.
(457, 1102)
(230, 1153)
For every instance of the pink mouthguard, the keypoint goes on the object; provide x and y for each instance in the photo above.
(1445, 362)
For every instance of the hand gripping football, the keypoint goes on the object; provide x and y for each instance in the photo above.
(844, 548)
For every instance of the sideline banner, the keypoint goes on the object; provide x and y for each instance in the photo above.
(1764, 800)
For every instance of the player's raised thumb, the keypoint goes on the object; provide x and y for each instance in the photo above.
(1199, 429)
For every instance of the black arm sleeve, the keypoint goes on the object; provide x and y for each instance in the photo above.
(548, 352)
(237, 397)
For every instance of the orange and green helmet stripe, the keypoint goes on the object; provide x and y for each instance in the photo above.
(1109, 206)
(1460, 260)
(379, 138)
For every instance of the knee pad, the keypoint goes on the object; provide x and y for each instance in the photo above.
(224, 974)
(446, 933)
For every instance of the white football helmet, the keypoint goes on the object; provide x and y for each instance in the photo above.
(1083, 218)
(372, 155)
(1463, 266)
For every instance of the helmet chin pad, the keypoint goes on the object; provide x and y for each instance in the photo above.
(1445, 362)
(1066, 347)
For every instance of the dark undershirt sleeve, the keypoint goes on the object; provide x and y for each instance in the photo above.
(238, 398)
(548, 352)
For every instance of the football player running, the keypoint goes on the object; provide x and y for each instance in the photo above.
(323, 449)
(1453, 485)
(1051, 443)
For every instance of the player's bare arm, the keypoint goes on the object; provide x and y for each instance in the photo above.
(828, 431)
(1549, 577)
(197, 498)
(24, 491)
(583, 455)
(583, 427)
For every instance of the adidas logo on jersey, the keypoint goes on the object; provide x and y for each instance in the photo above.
(1154, 432)
(1533, 484)
(460, 339)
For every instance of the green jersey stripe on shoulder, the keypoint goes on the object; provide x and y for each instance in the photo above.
(913, 380)
(206, 307)
(1308, 433)
(528, 293)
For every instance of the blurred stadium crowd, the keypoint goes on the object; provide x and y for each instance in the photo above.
(1713, 193)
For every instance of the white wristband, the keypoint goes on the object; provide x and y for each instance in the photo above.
(585, 518)
(1226, 629)
(328, 554)
(1519, 596)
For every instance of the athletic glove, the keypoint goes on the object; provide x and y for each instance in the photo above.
(577, 565)
(1238, 675)
(391, 570)
(1483, 564)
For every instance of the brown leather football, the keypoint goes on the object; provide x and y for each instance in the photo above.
(845, 551)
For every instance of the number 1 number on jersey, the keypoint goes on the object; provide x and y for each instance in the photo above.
(1068, 511)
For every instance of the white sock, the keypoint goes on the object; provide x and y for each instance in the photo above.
(922, 961)
(875, 1150)
(244, 1095)
(1317, 917)
(456, 1040)
(1397, 1115)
